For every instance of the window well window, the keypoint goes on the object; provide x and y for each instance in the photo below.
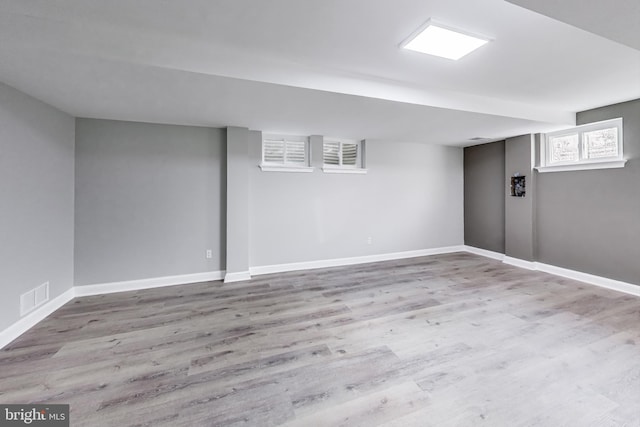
(343, 156)
(592, 146)
(285, 154)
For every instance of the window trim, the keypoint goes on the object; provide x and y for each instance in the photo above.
(284, 166)
(358, 168)
(582, 164)
(338, 169)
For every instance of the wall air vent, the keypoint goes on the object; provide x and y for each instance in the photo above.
(33, 299)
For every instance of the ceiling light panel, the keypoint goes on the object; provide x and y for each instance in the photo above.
(444, 41)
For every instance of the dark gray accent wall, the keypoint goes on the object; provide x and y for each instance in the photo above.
(484, 200)
(590, 220)
(519, 222)
(36, 199)
(148, 200)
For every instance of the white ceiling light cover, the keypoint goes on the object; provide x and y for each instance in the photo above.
(444, 41)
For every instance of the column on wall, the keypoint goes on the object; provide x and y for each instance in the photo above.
(237, 268)
(315, 144)
(519, 209)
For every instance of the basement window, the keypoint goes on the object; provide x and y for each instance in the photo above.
(591, 146)
(343, 156)
(285, 154)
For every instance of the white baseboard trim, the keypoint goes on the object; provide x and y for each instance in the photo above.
(517, 262)
(30, 320)
(485, 253)
(340, 262)
(155, 282)
(591, 279)
(239, 276)
(603, 282)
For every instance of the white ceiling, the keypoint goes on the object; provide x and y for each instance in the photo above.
(617, 20)
(329, 67)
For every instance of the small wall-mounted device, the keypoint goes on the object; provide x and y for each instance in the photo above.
(518, 185)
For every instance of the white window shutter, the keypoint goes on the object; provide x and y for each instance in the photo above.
(331, 153)
(296, 152)
(273, 151)
(349, 154)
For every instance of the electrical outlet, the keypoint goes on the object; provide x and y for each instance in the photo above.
(369, 240)
(209, 254)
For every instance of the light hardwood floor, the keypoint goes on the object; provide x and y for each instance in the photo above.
(447, 340)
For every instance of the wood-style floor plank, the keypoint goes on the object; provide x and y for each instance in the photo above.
(447, 340)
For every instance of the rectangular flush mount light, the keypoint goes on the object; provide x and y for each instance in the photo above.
(441, 40)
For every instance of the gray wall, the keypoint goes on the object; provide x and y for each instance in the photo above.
(484, 200)
(238, 201)
(411, 199)
(36, 199)
(146, 192)
(519, 221)
(148, 200)
(590, 220)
